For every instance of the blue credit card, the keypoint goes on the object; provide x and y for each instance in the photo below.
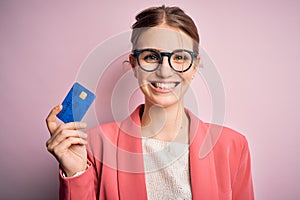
(76, 103)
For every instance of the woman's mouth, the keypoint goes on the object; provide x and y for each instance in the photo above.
(164, 85)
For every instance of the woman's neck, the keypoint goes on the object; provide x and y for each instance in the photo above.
(165, 123)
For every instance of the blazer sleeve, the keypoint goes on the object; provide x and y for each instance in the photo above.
(242, 187)
(80, 187)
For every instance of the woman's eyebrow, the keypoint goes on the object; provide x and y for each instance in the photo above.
(170, 51)
(161, 50)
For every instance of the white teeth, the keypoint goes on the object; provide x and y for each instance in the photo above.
(164, 85)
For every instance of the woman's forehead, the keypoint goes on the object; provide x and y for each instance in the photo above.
(165, 39)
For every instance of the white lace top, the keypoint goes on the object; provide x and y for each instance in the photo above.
(166, 169)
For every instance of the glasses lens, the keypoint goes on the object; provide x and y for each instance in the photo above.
(149, 60)
(181, 60)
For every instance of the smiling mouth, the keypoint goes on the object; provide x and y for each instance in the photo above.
(166, 86)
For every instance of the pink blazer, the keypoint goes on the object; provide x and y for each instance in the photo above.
(219, 163)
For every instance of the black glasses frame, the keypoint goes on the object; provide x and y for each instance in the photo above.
(136, 54)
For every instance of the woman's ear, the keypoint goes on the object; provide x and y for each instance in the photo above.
(197, 62)
(132, 62)
(195, 66)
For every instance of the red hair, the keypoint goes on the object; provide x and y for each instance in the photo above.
(171, 16)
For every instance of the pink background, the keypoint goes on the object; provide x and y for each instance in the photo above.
(254, 44)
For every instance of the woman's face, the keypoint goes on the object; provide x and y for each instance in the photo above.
(164, 86)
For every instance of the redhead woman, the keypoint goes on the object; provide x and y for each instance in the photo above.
(154, 153)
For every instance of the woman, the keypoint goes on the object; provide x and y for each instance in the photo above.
(154, 153)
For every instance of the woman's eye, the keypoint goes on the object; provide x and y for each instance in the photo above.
(151, 58)
(180, 58)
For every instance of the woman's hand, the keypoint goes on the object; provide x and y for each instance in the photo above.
(67, 143)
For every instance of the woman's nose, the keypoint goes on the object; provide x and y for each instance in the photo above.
(164, 70)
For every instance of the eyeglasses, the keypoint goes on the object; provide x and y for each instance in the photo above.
(149, 60)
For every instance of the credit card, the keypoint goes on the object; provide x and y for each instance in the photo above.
(76, 103)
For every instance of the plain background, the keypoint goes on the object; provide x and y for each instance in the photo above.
(255, 45)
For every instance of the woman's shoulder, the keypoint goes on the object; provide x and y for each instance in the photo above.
(216, 131)
(226, 134)
(224, 140)
(108, 129)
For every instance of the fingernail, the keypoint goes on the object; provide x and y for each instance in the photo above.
(59, 106)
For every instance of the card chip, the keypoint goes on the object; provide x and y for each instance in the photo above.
(83, 95)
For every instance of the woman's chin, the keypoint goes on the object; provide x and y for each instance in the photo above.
(163, 102)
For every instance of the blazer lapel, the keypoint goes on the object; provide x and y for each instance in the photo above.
(131, 178)
(203, 177)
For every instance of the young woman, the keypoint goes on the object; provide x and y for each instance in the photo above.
(154, 153)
